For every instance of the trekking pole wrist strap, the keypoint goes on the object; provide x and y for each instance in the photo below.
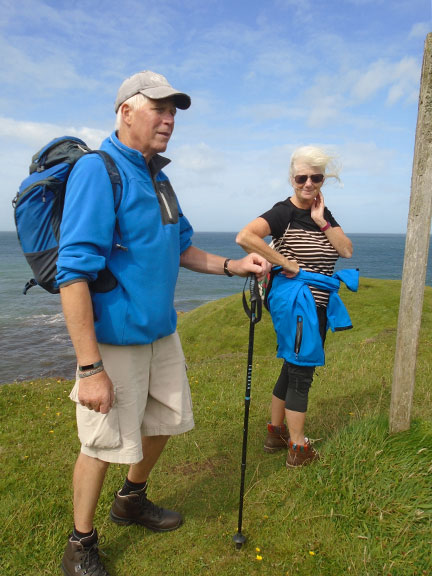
(254, 313)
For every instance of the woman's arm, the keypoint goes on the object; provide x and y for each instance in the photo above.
(336, 236)
(251, 240)
(340, 242)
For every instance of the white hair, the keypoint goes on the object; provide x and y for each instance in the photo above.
(135, 102)
(315, 157)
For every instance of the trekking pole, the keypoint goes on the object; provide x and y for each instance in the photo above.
(254, 314)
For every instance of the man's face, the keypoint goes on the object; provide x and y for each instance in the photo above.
(152, 126)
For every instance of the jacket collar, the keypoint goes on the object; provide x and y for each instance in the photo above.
(156, 164)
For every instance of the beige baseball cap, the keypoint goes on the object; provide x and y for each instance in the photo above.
(153, 86)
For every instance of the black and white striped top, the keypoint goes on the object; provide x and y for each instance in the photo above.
(297, 237)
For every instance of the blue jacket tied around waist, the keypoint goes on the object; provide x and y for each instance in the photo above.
(294, 315)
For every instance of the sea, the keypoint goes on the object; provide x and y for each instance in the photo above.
(34, 342)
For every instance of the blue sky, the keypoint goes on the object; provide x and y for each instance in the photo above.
(264, 77)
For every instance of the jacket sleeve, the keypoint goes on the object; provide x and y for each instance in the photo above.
(88, 222)
(186, 231)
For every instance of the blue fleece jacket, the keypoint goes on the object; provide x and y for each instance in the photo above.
(154, 233)
(294, 315)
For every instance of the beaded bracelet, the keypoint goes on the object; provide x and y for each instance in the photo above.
(226, 271)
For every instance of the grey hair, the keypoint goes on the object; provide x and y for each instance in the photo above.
(316, 157)
(136, 102)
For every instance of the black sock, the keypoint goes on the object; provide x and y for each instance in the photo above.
(90, 537)
(129, 487)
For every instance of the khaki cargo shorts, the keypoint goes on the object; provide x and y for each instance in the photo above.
(152, 398)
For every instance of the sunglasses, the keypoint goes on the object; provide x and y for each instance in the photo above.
(302, 178)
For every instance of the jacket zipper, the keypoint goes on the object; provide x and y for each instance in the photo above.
(161, 194)
(166, 205)
(299, 335)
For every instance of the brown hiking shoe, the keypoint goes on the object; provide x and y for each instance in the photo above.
(80, 559)
(300, 454)
(277, 438)
(136, 508)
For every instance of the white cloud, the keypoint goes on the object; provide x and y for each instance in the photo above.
(331, 96)
(420, 30)
(270, 111)
(406, 82)
(199, 159)
(400, 79)
(303, 9)
(326, 111)
(359, 158)
(36, 134)
(370, 82)
(40, 72)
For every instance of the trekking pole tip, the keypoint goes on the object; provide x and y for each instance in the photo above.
(239, 540)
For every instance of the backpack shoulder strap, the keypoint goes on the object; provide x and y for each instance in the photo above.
(117, 187)
(114, 176)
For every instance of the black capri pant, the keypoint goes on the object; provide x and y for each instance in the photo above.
(295, 381)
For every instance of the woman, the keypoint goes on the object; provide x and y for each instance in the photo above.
(305, 236)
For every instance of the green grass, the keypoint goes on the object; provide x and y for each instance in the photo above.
(364, 509)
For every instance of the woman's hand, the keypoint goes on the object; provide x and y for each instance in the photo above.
(289, 274)
(317, 210)
(336, 236)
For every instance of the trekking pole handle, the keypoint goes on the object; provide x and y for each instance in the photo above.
(255, 311)
(254, 288)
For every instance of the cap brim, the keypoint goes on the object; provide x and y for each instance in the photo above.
(181, 100)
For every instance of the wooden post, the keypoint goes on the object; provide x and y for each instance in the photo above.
(416, 255)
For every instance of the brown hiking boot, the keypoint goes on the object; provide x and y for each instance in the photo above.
(136, 508)
(277, 438)
(300, 454)
(82, 559)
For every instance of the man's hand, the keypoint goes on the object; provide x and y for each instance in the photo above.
(96, 392)
(250, 264)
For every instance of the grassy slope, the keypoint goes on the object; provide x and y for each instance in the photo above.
(366, 508)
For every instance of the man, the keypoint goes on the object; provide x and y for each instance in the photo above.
(131, 389)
